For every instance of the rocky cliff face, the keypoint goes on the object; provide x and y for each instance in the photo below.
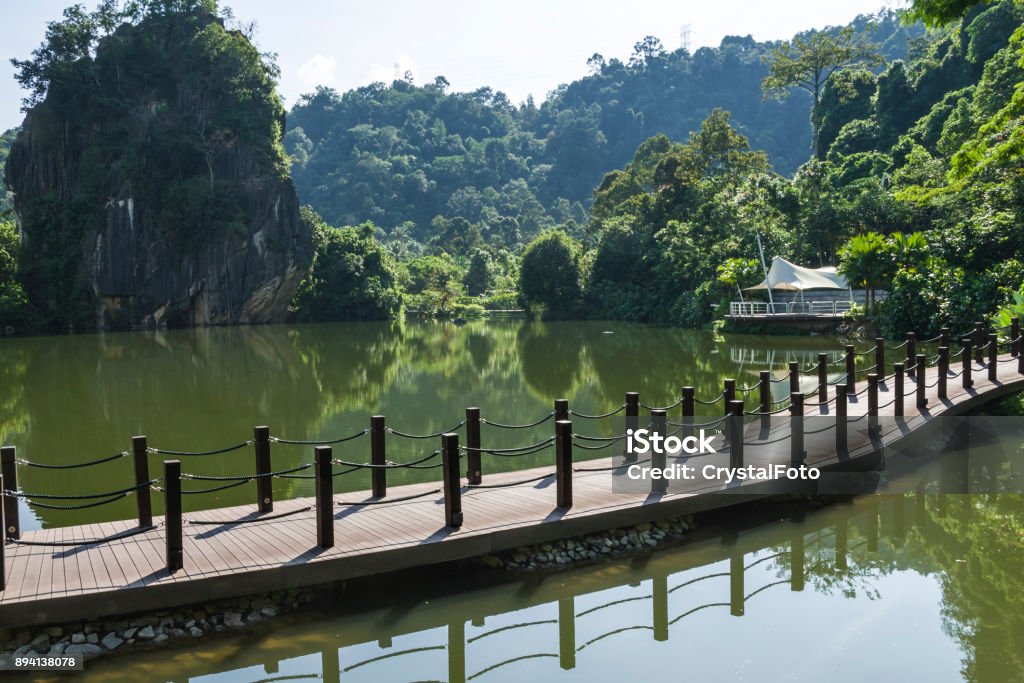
(167, 205)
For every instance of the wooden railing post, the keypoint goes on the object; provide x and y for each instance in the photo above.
(943, 336)
(474, 465)
(735, 421)
(1014, 334)
(659, 425)
(175, 554)
(264, 485)
(898, 389)
(729, 389)
(880, 356)
(632, 421)
(920, 361)
(324, 496)
(143, 497)
(979, 341)
(452, 484)
(911, 352)
(3, 541)
(872, 404)
(841, 412)
(1020, 361)
(563, 462)
(764, 391)
(378, 457)
(688, 410)
(797, 454)
(9, 470)
(561, 409)
(794, 376)
(967, 364)
(993, 357)
(851, 369)
(822, 378)
(943, 372)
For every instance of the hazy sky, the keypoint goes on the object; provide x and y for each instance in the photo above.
(522, 47)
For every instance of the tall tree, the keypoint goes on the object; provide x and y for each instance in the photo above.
(939, 12)
(809, 60)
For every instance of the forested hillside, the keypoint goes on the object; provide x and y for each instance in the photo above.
(918, 190)
(414, 158)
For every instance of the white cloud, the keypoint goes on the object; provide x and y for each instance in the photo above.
(319, 70)
(385, 73)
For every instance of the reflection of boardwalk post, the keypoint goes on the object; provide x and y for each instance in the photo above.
(842, 541)
(920, 510)
(899, 521)
(736, 582)
(567, 633)
(659, 591)
(330, 669)
(457, 652)
(872, 531)
(796, 556)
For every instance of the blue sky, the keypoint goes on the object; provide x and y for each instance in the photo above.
(523, 47)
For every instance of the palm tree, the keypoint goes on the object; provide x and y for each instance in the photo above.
(865, 260)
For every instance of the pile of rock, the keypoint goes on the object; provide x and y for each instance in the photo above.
(592, 548)
(92, 639)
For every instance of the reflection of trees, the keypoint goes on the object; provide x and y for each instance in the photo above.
(970, 543)
(983, 582)
(13, 413)
(550, 358)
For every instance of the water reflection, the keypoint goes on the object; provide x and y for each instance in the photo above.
(860, 589)
(72, 399)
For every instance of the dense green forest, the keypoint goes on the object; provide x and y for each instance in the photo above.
(636, 191)
(414, 158)
(916, 189)
(911, 185)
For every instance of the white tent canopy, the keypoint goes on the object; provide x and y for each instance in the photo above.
(789, 277)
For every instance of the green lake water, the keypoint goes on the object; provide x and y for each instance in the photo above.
(892, 587)
(74, 399)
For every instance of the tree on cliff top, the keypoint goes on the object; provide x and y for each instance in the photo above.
(72, 43)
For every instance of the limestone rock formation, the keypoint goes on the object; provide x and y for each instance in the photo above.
(155, 192)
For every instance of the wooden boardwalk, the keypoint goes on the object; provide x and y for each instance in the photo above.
(47, 584)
